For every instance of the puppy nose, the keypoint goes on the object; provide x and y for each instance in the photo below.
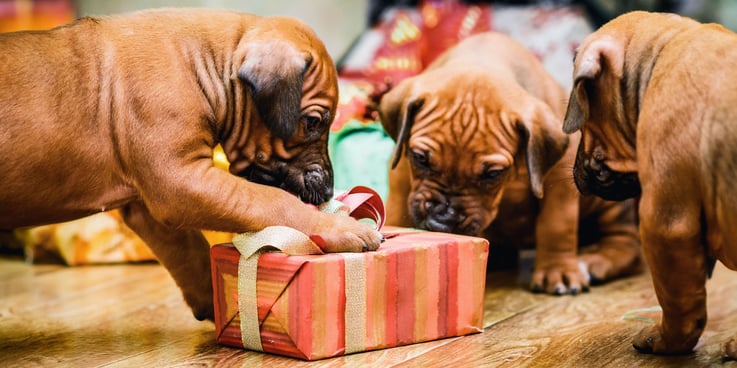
(318, 185)
(441, 211)
(442, 216)
(597, 169)
(592, 164)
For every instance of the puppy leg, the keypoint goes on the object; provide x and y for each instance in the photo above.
(616, 252)
(670, 232)
(184, 253)
(556, 236)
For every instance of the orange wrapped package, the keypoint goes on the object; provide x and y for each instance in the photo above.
(418, 286)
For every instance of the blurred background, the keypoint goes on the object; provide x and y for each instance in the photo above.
(337, 22)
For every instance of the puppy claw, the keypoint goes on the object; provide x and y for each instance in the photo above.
(537, 288)
(644, 341)
(650, 341)
(560, 290)
(729, 349)
(645, 349)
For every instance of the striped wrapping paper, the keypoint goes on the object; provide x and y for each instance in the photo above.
(419, 286)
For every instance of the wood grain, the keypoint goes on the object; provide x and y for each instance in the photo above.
(134, 316)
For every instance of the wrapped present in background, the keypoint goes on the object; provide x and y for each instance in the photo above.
(418, 286)
(101, 238)
(20, 15)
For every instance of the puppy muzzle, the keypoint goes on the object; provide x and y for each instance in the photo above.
(313, 184)
(595, 177)
(439, 213)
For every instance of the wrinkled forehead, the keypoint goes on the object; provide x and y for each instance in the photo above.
(464, 131)
(321, 83)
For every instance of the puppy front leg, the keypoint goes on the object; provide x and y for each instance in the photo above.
(673, 250)
(616, 252)
(556, 239)
(185, 253)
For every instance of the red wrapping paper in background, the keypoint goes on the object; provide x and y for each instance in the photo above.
(418, 286)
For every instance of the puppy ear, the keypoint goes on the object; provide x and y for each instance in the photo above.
(274, 72)
(543, 140)
(397, 113)
(602, 54)
(578, 105)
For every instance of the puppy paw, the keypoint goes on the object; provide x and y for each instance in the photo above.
(729, 349)
(650, 341)
(611, 262)
(201, 303)
(560, 279)
(600, 268)
(345, 234)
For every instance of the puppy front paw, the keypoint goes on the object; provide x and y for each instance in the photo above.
(560, 278)
(600, 268)
(729, 348)
(650, 341)
(345, 234)
(611, 261)
(201, 303)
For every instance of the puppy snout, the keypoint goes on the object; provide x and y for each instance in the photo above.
(441, 211)
(598, 170)
(442, 216)
(593, 176)
(318, 185)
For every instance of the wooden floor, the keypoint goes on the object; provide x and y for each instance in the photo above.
(134, 316)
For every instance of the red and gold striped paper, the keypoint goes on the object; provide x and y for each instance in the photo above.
(418, 286)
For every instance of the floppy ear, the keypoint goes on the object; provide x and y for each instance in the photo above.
(578, 105)
(543, 141)
(274, 72)
(397, 113)
(600, 54)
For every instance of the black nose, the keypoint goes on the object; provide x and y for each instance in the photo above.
(318, 186)
(595, 177)
(442, 216)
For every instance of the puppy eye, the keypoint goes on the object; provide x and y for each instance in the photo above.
(420, 159)
(491, 175)
(312, 123)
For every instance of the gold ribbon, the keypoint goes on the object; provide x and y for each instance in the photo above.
(355, 301)
(293, 242)
(251, 245)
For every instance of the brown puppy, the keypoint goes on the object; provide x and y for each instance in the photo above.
(124, 112)
(478, 144)
(655, 99)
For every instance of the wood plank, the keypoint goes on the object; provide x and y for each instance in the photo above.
(92, 316)
(591, 330)
(134, 315)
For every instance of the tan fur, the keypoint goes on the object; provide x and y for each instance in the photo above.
(124, 111)
(488, 108)
(655, 99)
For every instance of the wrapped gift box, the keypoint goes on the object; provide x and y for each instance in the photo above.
(97, 239)
(418, 286)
